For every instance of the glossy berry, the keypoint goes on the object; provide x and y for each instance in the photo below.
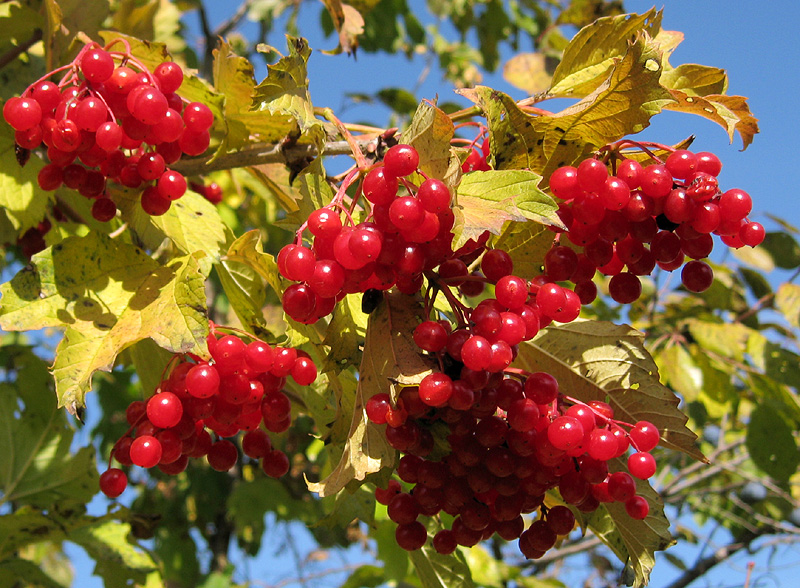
(164, 410)
(113, 482)
(400, 160)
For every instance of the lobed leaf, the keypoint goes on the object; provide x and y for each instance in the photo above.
(108, 295)
(634, 542)
(487, 200)
(730, 112)
(390, 360)
(22, 203)
(593, 52)
(430, 133)
(234, 78)
(37, 468)
(595, 360)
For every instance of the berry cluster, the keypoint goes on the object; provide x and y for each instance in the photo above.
(238, 390)
(641, 217)
(405, 233)
(512, 437)
(110, 117)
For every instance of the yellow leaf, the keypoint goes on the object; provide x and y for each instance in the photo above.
(730, 112)
(528, 72)
(695, 80)
(430, 133)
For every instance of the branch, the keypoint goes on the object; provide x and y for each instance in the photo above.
(227, 26)
(266, 153)
(702, 566)
(12, 54)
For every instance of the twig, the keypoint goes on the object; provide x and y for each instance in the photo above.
(702, 566)
(12, 54)
(230, 24)
(260, 154)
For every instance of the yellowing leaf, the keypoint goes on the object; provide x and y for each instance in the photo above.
(37, 468)
(622, 105)
(527, 244)
(695, 80)
(487, 200)
(65, 19)
(430, 133)
(285, 89)
(348, 22)
(390, 360)
(633, 541)
(233, 77)
(728, 340)
(345, 334)
(595, 360)
(108, 295)
(787, 301)
(593, 52)
(730, 112)
(22, 202)
(528, 72)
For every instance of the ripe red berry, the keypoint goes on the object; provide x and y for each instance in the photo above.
(113, 482)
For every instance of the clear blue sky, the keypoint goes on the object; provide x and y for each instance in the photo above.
(755, 42)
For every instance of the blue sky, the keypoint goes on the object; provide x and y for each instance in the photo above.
(755, 42)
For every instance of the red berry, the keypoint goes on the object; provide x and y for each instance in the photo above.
(113, 482)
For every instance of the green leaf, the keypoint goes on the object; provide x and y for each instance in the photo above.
(787, 301)
(108, 295)
(22, 203)
(117, 559)
(390, 361)
(285, 89)
(150, 362)
(348, 507)
(594, 51)
(783, 248)
(399, 100)
(430, 133)
(771, 443)
(487, 200)
(633, 541)
(16, 571)
(234, 78)
(65, 19)
(595, 360)
(37, 467)
(435, 570)
(777, 363)
(245, 291)
(365, 576)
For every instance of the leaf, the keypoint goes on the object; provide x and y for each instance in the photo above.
(65, 19)
(285, 89)
(728, 340)
(108, 295)
(16, 571)
(344, 335)
(783, 248)
(730, 112)
(348, 507)
(488, 199)
(787, 301)
(527, 244)
(117, 559)
(695, 80)
(622, 105)
(247, 251)
(771, 443)
(430, 133)
(390, 360)
(22, 202)
(592, 53)
(435, 570)
(364, 576)
(234, 78)
(595, 360)
(349, 24)
(150, 362)
(633, 541)
(192, 224)
(37, 468)
(245, 291)
(528, 72)
(778, 363)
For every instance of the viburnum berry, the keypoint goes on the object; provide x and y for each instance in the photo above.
(113, 482)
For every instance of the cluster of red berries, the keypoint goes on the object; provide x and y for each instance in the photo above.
(110, 117)
(240, 389)
(405, 234)
(641, 217)
(512, 437)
